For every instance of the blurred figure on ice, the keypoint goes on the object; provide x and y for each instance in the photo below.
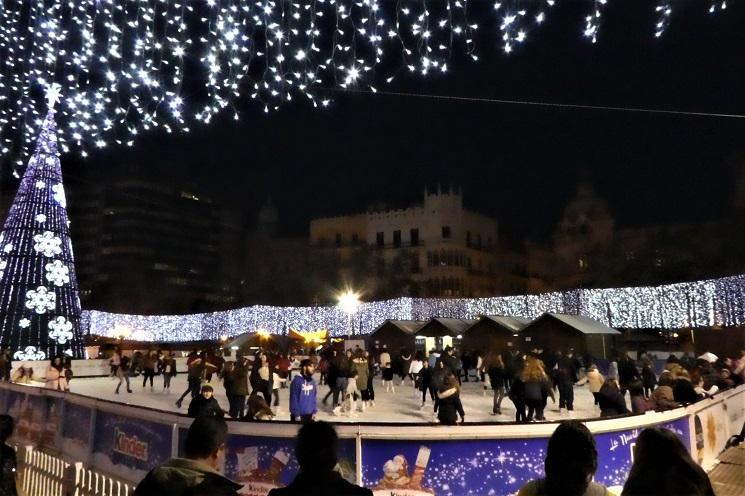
(205, 405)
(168, 369)
(55, 376)
(122, 372)
(449, 404)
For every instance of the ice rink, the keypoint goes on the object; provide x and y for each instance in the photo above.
(400, 407)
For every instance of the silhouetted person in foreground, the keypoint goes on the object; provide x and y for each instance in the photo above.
(663, 467)
(316, 455)
(195, 475)
(571, 462)
(7, 458)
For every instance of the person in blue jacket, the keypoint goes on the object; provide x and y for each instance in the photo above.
(303, 393)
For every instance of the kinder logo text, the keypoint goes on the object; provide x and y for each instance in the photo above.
(130, 445)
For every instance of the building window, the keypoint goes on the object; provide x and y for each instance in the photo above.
(445, 232)
(338, 239)
(468, 238)
(380, 239)
(414, 233)
(397, 239)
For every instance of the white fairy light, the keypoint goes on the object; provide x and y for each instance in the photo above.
(118, 62)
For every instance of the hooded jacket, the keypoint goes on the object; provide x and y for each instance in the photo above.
(303, 393)
(183, 477)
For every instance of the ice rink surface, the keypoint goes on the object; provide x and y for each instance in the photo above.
(401, 406)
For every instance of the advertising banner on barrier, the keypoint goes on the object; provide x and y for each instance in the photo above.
(52, 423)
(264, 463)
(496, 466)
(714, 425)
(76, 431)
(29, 412)
(129, 447)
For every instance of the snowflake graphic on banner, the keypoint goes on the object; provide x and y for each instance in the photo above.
(47, 244)
(40, 300)
(60, 330)
(57, 273)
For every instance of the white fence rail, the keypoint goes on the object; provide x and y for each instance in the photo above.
(42, 474)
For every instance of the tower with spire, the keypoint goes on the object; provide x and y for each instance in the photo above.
(39, 300)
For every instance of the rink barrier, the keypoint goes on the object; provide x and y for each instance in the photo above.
(111, 446)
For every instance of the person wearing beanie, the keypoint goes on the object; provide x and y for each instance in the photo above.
(205, 405)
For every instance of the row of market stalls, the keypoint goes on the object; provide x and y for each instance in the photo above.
(551, 331)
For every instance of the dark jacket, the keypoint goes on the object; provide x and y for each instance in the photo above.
(437, 377)
(240, 379)
(257, 383)
(496, 377)
(425, 378)
(448, 405)
(203, 407)
(683, 391)
(627, 372)
(340, 366)
(7, 471)
(649, 379)
(611, 402)
(328, 484)
(182, 477)
(168, 366)
(567, 370)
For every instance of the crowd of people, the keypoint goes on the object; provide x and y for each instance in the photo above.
(661, 466)
(526, 379)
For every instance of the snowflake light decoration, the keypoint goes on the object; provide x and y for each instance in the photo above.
(29, 353)
(24, 323)
(59, 195)
(47, 244)
(40, 218)
(3, 265)
(8, 247)
(60, 330)
(40, 300)
(57, 273)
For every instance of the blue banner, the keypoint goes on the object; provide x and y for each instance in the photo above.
(130, 447)
(52, 423)
(488, 467)
(29, 412)
(76, 431)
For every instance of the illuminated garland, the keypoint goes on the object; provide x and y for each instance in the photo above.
(696, 304)
(130, 66)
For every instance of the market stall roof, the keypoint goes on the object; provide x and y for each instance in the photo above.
(405, 326)
(580, 323)
(514, 324)
(440, 326)
(248, 339)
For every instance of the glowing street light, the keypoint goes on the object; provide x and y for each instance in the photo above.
(349, 302)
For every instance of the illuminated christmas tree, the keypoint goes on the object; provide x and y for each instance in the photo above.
(39, 301)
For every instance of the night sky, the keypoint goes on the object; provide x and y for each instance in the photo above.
(518, 163)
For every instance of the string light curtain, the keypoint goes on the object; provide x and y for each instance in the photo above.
(715, 302)
(39, 300)
(130, 66)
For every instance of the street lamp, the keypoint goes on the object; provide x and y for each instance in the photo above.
(349, 302)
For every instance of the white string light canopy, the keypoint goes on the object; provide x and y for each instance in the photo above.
(130, 66)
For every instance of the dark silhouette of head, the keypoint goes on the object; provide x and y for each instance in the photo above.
(316, 447)
(205, 437)
(662, 466)
(571, 459)
(6, 427)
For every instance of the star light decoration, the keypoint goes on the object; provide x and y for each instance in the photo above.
(715, 302)
(39, 302)
(127, 67)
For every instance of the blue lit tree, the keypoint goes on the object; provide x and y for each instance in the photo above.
(39, 301)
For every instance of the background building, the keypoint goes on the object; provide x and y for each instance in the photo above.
(149, 246)
(437, 248)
